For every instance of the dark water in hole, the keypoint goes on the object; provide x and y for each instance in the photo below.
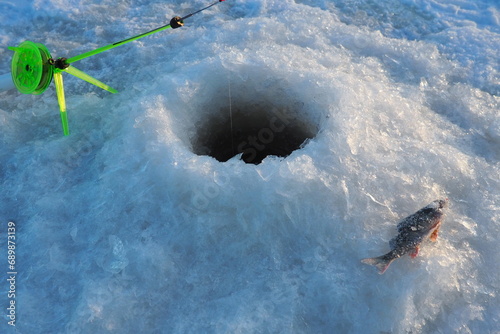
(257, 132)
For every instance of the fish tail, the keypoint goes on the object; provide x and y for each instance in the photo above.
(381, 262)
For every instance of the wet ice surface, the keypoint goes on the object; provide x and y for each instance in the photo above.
(123, 227)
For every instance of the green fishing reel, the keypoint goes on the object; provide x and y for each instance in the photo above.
(33, 68)
(32, 72)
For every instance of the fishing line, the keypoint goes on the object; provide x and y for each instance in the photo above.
(230, 110)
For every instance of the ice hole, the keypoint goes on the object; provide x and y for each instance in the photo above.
(255, 130)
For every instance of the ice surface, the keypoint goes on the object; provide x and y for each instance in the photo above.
(123, 228)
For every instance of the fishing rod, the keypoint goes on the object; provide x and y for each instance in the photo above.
(33, 67)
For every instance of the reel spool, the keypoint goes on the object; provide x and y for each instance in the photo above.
(31, 71)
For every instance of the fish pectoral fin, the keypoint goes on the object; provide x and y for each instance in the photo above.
(434, 235)
(414, 253)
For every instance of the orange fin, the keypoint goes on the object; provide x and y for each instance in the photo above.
(414, 253)
(434, 235)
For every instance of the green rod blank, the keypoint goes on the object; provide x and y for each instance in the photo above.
(114, 45)
(176, 24)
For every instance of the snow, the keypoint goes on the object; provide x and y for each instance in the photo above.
(126, 226)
